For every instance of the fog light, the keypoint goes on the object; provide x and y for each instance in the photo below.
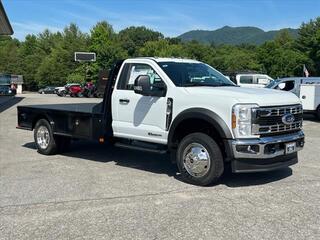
(270, 149)
(300, 143)
(252, 149)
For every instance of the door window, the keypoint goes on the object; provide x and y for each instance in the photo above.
(286, 86)
(130, 73)
(246, 79)
(264, 81)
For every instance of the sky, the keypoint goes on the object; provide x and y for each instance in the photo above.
(172, 18)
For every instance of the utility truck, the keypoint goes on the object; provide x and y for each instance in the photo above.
(182, 107)
(306, 88)
(292, 84)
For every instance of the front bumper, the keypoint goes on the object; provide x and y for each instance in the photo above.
(266, 153)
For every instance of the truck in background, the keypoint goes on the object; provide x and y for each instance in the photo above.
(306, 88)
(292, 84)
(249, 79)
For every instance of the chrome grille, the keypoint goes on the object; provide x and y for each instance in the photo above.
(279, 111)
(268, 120)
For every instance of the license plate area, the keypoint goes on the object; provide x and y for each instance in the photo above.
(290, 147)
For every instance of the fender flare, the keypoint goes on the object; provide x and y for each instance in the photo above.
(203, 114)
(44, 116)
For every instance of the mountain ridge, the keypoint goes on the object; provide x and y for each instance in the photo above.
(234, 35)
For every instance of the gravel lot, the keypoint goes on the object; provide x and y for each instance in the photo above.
(99, 192)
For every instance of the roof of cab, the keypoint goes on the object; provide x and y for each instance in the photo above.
(302, 78)
(158, 59)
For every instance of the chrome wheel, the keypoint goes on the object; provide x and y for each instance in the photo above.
(196, 160)
(43, 137)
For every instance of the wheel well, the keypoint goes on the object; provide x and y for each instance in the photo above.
(192, 125)
(37, 118)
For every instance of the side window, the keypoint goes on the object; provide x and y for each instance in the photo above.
(123, 77)
(246, 79)
(130, 73)
(286, 86)
(261, 80)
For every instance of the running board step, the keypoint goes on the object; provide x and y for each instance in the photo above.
(140, 148)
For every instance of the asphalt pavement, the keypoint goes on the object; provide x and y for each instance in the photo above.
(101, 192)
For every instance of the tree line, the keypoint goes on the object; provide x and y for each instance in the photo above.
(48, 57)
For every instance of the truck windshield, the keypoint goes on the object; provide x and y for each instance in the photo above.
(273, 83)
(194, 74)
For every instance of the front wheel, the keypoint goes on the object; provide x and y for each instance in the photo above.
(199, 159)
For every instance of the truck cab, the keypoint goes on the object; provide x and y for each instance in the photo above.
(292, 84)
(183, 107)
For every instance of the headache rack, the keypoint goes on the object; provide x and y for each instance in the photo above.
(269, 120)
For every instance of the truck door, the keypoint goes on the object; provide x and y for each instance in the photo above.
(136, 116)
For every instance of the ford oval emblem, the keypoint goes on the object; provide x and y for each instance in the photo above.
(288, 119)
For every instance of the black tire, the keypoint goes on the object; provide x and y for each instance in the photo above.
(216, 165)
(318, 113)
(63, 93)
(52, 145)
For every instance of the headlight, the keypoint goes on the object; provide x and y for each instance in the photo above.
(241, 120)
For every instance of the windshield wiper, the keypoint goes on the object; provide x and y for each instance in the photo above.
(228, 85)
(197, 84)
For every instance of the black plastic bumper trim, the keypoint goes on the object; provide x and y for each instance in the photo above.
(263, 165)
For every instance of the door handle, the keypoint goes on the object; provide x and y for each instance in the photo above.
(125, 101)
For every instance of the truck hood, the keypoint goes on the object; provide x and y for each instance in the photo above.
(260, 96)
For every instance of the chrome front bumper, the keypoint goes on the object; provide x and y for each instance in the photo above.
(267, 147)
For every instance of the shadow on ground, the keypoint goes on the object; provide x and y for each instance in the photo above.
(160, 164)
(251, 179)
(310, 117)
(8, 102)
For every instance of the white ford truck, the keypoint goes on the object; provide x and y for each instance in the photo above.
(184, 107)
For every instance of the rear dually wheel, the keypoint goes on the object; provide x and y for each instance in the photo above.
(44, 139)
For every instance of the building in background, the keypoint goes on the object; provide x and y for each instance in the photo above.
(5, 26)
(13, 81)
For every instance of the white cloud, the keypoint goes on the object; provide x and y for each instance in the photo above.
(22, 29)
